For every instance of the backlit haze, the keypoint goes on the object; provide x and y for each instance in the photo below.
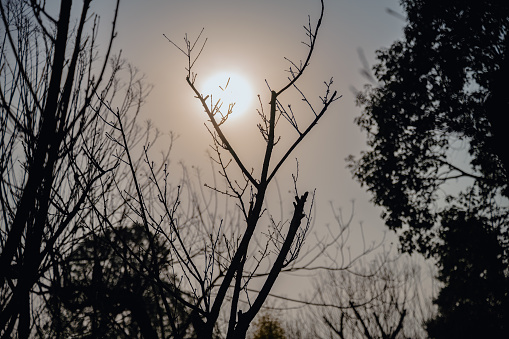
(230, 92)
(250, 40)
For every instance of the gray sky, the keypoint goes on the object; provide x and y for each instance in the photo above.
(252, 38)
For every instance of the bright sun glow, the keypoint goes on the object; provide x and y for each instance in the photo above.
(230, 88)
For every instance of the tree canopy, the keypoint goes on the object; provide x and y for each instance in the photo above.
(437, 163)
(473, 302)
(99, 289)
(438, 89)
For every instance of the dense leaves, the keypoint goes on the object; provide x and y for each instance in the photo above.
(435, 114)
(437, 161)
(100, 290)
(473, 302)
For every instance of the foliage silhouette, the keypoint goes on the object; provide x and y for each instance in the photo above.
(99, 290)
(434, 89)
(474, 299)
(443, 85)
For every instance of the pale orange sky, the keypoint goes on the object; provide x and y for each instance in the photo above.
(252, 38)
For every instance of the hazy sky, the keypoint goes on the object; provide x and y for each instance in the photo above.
(252, 38)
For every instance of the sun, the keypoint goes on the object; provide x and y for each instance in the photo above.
(230, 88)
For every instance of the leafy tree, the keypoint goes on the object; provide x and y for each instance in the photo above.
(443, 87)
(436, 86)
(474, 299)
(99, 290)
(268, 328)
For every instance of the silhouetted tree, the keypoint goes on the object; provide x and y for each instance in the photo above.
(55, 156)
(228, 266)
(386, 298)
(443, 87)
(436, 87)
(99, 289)
(250, 192)
(473, 302)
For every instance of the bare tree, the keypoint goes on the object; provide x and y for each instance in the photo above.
(71, 176)
(236, 272)
(227, 266)
(55, 157)
(387, 298)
